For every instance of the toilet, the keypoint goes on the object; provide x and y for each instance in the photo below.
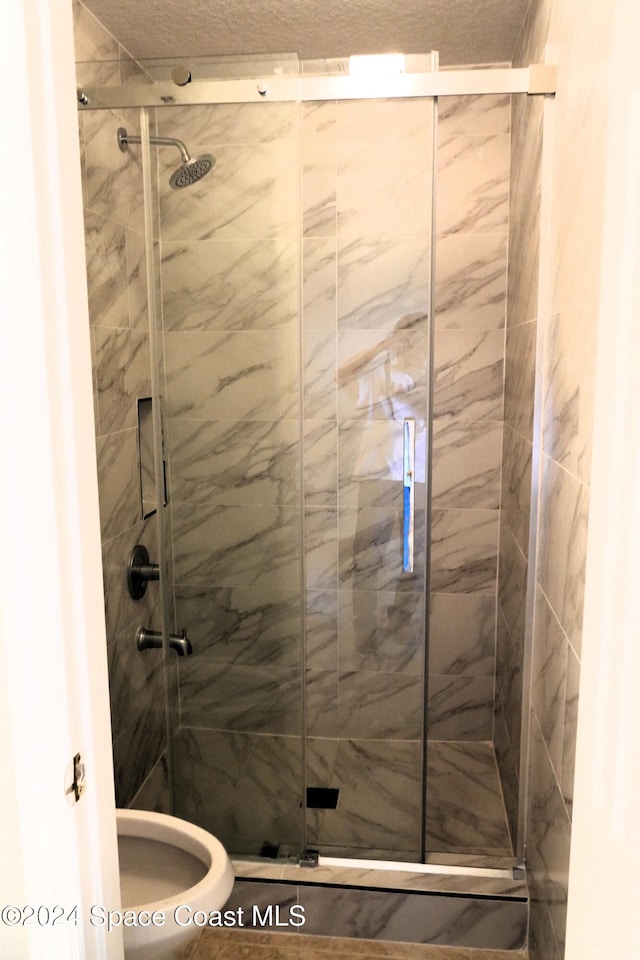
(173, 876)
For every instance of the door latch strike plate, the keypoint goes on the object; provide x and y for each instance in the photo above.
(75, 773)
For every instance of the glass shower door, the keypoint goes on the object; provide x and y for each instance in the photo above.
(367, 264)
(230, 303)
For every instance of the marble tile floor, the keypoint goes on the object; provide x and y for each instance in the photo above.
(242, 945)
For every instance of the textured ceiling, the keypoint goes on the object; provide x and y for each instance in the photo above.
(463, 31)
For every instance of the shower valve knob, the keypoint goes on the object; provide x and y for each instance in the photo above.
(140, 571)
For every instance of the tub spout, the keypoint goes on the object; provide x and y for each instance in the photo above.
(152, 639)
(181, 644)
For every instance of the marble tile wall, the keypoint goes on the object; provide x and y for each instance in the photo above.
(366, 215)
(384, 915)
(469, 358)
(230, 302)
(561, 326)
(116, 280)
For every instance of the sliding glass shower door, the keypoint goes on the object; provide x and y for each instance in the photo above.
(230, 302)
(295, 315)
(367, 179)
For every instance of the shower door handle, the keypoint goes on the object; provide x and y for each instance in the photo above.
(408, 493)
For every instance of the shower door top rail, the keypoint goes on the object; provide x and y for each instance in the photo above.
(535, 79)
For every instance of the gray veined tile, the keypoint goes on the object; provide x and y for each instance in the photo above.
(234, 461)
(154, 793)
(230, 123)
(319, 169)
(525, 194)
(571, 701)
(243, 626)
(322, 703)
(239, 770)
(464, 801)
(462, 631)
(550, 653)
(473, 184)
(520, 359)
(321, 630)
(548, 837)
(123, 375)
(113, 178)
(516, 485)
(411, 921)
(379, 804)
(373, 121)
(106, 271)
(466, 463)
(464, 551)
(320, 452)
(383, 377)
(251, 193)
(229, 285)
(460, 708)
(135, 679)
(118, 490)
(320, 390)
(319, 284)
(370, 457)
(468, 374)
(231, 376)
(562, 546)
(569, 377)
(381, 284)
(474, 115)
(512, 587)
(137, 281)
(237, 546)
(380, 706)
(236, 697)
(137, 749)
(321, 550)
(471, 281)
(380, 632)
(382, 193)
(370, 550)
(509, 685)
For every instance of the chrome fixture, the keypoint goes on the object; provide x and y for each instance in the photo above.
(152, 640)
(190, 170)
(140, 571)
(181, 75)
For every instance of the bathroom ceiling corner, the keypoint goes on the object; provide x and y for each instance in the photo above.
(463, 31)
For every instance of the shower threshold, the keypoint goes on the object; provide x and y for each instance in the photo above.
(507, 880)
(419, 868)
(448, 905)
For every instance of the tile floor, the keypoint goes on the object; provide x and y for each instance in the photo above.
(247, 945)
(379, 809)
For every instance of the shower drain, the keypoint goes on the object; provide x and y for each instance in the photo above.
(322, 798)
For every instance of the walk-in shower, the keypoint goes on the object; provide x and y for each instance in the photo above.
(326, 342)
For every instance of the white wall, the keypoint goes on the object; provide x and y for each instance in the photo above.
(605, 845)
(53, 699)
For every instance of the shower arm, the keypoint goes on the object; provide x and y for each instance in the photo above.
(125, 138)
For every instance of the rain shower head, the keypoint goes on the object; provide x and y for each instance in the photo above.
(190, 170)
